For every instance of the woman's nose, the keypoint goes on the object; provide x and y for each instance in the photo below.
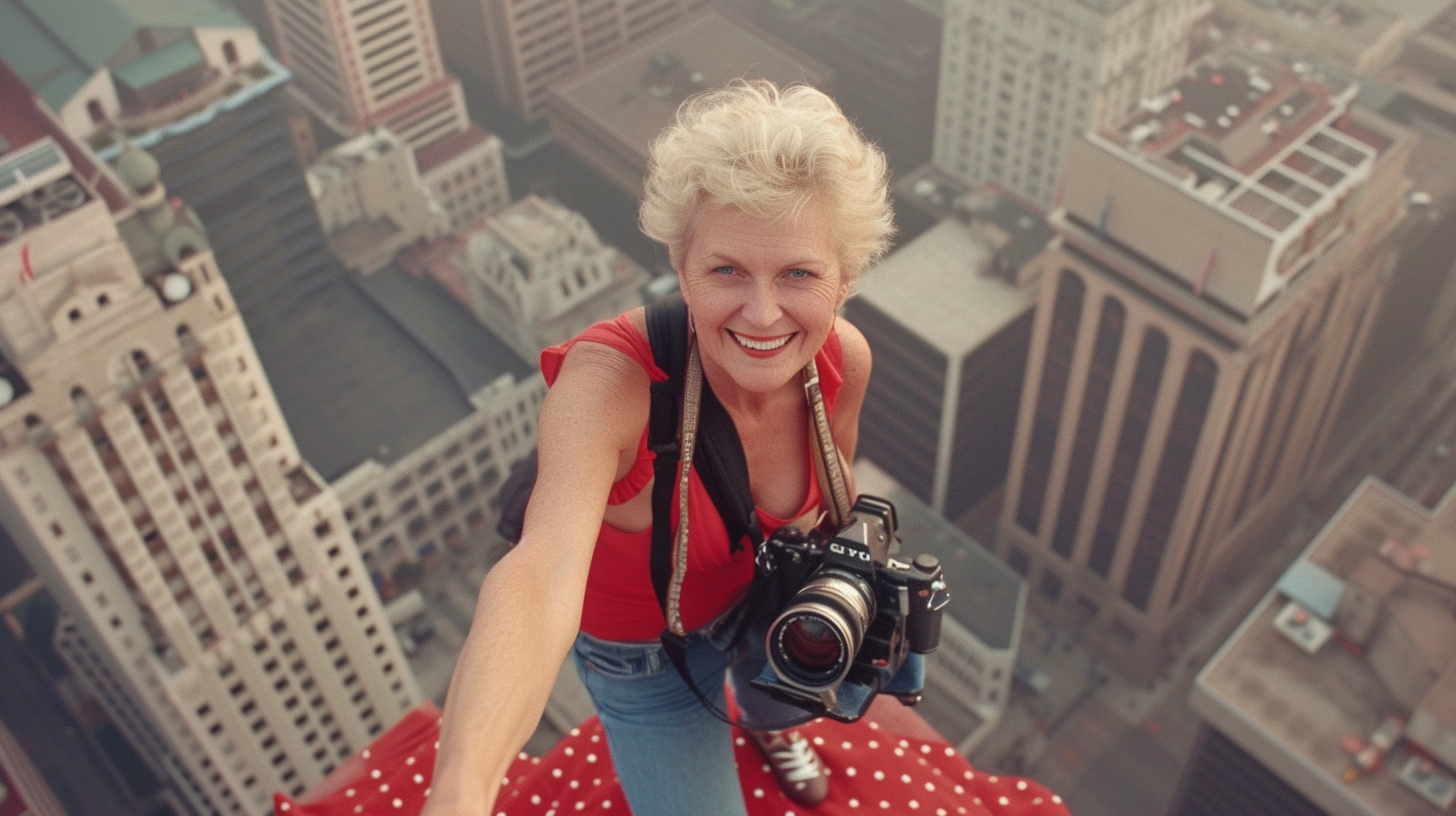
(762, 308)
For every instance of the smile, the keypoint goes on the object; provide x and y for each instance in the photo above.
(762, 345)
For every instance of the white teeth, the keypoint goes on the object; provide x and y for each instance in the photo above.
(762, 345)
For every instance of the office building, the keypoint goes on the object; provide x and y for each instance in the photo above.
(370, 200)
(443, 493)
(608, 114)
(1221, 257)
(535, 274)
(360, 64)
(885, 55)
(1020, 81)
(190, 83)
(1361, 36)
(949, 317)
(466, 173)
(518, 48)
(1424, 70)
(968, 678)
(363, 64)
(1337, 694)
(213, 601)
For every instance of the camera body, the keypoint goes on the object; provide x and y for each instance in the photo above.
(850, 625)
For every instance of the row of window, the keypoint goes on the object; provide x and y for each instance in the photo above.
(1173, 464)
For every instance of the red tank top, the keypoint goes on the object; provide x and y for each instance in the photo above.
(620, 603)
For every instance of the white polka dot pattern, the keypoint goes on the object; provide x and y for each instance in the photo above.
(872, 768)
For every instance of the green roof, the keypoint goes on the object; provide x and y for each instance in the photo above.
(159, 64)
(32, 52)
(94, 30)
(57, 45)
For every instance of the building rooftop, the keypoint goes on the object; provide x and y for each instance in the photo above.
(1355, 21)
(377, 367)
(23, 124)
(57, 45)
(955, 283)
(1267, 145)
(629, 98)
(1263, 163)
(1303, 686)
(440, 151)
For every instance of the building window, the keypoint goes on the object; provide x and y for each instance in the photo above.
(230, 53)
(1183, 436)
(1051, 586)
(1089, 424)
(1056, 369)
(95, 111)
(1135, 421)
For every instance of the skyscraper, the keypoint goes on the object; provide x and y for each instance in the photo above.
(358, 64)
(1221, 258)
(213, 600)
(1337, 694)
(520, 47)
(191, 84)
(1019, 81)
(363, 64)
(949, 317)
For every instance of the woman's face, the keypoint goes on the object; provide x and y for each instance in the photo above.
(762, 292)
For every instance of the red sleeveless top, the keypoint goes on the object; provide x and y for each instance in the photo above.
(619, 603)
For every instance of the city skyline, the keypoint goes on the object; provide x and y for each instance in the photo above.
(1142, 445)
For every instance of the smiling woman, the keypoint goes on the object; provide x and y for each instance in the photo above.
(770, 203)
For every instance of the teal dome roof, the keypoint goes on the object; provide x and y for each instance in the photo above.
(137, 168)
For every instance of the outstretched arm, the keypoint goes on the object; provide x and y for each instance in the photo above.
(529, 607)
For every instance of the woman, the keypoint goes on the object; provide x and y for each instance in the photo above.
(770, 203)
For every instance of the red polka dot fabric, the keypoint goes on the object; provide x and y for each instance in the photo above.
(894, 767)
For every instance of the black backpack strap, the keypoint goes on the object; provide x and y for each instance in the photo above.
(718, 457)
(667, 330)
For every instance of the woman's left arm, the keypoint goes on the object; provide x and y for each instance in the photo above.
(856, 368)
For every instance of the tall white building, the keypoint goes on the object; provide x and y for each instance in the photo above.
(1020, 78)
(213, 599)
(361, 63)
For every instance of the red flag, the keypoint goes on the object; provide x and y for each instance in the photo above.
(1205, 273)
(27, 273)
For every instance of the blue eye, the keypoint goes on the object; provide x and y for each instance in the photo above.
(799, 274)
(723, 270)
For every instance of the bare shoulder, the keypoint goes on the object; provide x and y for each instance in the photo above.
(600, 392)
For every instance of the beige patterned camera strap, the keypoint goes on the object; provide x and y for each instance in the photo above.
(692, 401)
(828, 469)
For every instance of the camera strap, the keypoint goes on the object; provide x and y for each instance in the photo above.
(715, 450)
(704, 435)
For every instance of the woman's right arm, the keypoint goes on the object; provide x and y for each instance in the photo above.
(529, 608)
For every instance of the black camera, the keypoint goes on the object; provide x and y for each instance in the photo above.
(855, 617)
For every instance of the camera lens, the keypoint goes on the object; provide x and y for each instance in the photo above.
(814, 641)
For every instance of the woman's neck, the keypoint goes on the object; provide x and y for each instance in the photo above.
(743, 404)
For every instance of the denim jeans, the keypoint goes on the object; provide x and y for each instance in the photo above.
(672, 756)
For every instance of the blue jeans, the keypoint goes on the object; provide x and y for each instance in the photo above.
(672, 756)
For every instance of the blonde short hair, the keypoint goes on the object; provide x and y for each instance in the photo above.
(769, 152)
